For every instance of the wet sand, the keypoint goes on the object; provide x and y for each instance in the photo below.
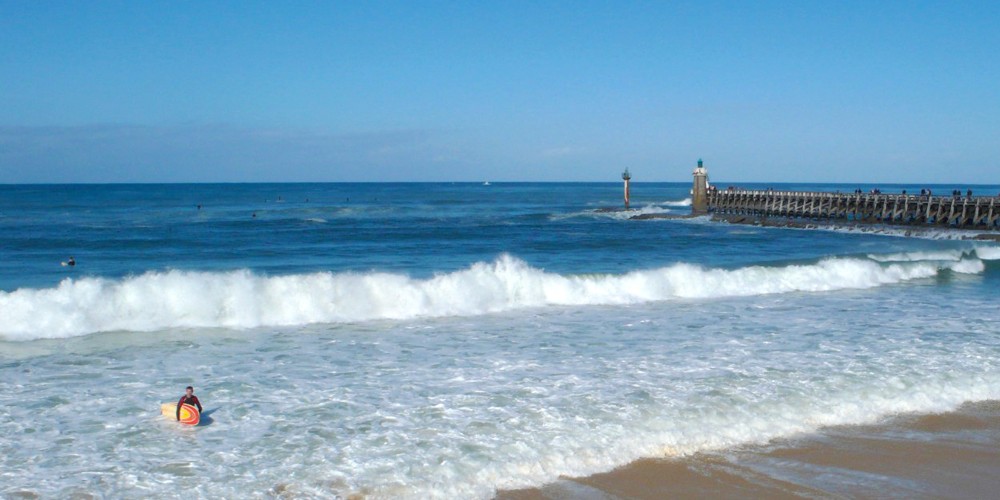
(950, 455)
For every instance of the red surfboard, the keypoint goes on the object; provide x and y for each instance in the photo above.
(189, 414)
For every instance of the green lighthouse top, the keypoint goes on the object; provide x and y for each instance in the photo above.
(699, 163)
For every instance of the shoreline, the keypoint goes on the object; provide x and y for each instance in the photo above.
(954, 454)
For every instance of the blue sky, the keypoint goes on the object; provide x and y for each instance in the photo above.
(825, 91)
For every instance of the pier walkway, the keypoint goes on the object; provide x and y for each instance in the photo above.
(975, 212)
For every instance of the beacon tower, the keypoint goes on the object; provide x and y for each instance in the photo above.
(699, 193)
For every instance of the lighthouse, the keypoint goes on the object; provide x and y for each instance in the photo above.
(699, 193)
(626, 177)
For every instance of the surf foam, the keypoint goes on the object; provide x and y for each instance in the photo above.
(988, 253)
(953, 255)
(241, 299)
(686, 202)
(943, 255)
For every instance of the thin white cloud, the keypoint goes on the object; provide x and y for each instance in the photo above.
(562, 152)
(199, 153)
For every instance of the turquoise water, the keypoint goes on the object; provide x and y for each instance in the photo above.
(445, 340)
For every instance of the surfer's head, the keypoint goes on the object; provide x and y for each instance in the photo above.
(189, 390)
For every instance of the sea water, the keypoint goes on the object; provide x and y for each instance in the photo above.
(449, 340)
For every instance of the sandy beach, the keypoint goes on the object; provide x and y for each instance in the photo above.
(951, 455)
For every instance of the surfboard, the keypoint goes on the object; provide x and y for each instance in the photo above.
(189, 414)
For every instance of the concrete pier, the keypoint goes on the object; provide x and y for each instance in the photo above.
(976, 212)
(769, 207)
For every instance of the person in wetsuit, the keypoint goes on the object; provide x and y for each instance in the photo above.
(188, 398)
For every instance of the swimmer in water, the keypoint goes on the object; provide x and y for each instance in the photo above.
(71, 262)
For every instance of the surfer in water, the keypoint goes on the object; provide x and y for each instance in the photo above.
(70, 263)
(188, 398)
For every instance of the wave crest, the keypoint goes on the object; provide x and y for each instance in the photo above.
(241, 299)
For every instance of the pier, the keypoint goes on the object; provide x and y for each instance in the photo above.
(979, 212)
(926, 209)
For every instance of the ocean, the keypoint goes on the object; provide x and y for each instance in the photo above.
(453, 340)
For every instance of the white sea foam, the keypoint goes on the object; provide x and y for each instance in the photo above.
(919, 232)
(619, 214)
(242, 299)
(454, 415)
(457, 407)
(941, 255)
(643, 210)
(667, 207)
(968, 266)
(952, 255)
(678, 203)
(988, 253)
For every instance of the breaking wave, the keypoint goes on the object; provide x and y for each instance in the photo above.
(242, 299)
(955, 255)
(686, 202)
(988, 253)
(667, 207)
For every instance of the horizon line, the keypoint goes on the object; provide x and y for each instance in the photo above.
(182, 183)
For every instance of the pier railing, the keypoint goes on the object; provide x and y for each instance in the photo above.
(971, 212)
